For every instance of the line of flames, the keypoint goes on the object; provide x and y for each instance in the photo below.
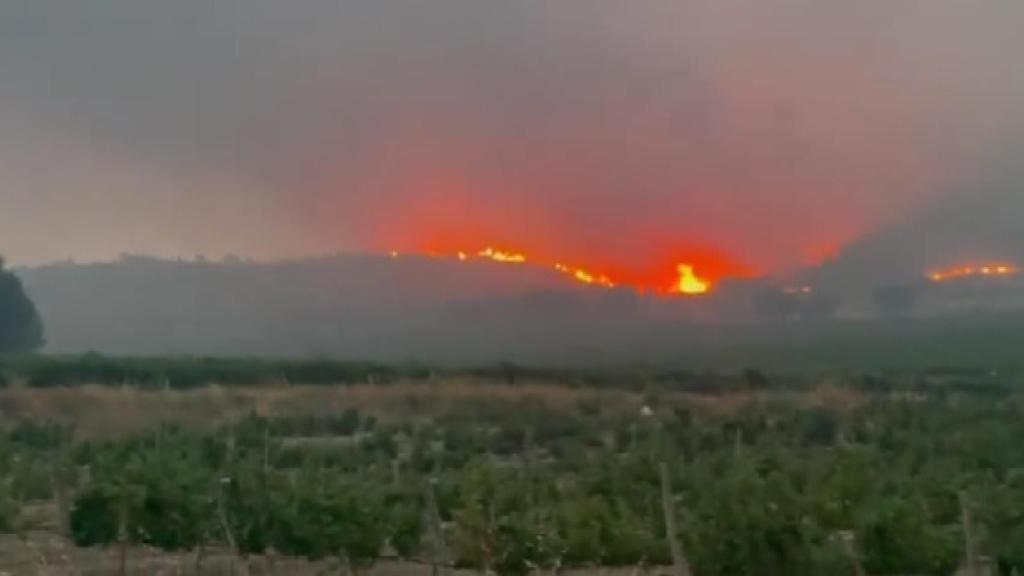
(688, 283)
(990, 270)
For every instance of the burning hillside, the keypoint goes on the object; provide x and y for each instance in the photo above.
(689, 280)
(991, 270)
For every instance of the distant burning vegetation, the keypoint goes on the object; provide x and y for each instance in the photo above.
(688, 277)
(991, 270)
(688, 280)
(689, 283)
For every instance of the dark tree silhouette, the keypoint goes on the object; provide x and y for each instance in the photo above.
(21, 329)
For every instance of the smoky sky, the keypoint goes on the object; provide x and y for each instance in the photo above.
(598, 130)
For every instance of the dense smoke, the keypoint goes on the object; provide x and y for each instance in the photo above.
(614, 134)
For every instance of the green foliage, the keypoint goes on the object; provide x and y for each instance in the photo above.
(157, 496)
(21, 329)
(325, 520)
(404, 524)
(9, 511)
(752, 518)
(96, 517)
(494, 530)
(1004, 515)
(252, 512)
(762, 486)
(169, 516)
(30, 480)
(40, 437)
(898, 537)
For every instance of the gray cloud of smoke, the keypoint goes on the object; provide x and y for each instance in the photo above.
(770, 130)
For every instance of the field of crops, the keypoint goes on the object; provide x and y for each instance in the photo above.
(216, 466)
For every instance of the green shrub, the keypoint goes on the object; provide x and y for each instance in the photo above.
(95, 518)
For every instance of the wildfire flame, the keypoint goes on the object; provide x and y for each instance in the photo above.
(689, 283)
(686, 283)
(585, 277)
(499, 256)
(973, 271)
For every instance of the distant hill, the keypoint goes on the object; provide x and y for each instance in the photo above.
(446, 312)
(443, 310)
(978, 225)
(354, 306)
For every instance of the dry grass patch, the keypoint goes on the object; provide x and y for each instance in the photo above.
(107, 412)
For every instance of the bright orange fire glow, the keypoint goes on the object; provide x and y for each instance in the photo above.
(499, 256)
(973, 271)
(689, 283)
(585, 277)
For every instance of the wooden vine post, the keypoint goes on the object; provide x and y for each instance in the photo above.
(679, 562)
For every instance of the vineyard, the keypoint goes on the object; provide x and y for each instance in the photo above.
(256, 467)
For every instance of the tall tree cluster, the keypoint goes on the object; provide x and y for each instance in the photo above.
(21, 329)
